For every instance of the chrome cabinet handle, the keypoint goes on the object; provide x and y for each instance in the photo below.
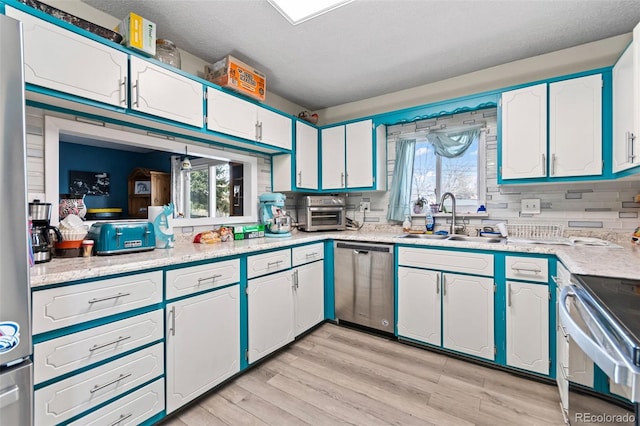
(544, 164)
(300, 178)
(295, 279)
(444, 285)
(260, 131)
(102, 299)
(274, 263)
(631, 138)
(172, 312)
(553, 164)
(314, 254)
(508, 294)
(534, 270)
(438, 283)
(123, 91)
(96, 388)
(122, 418)
(257, 125)
(212, 278)
(137, 95)
(104, 345)
(342, 179)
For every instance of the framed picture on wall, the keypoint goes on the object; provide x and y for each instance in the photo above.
(142, 187)
(88, 183)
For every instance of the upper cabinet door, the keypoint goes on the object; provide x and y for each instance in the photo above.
(158, 91)
(359, 151)
(524, 132)
(623, 116)
(62, 60)
(306, 156)
(274, 129)
(575, 127)
(231, 115)
(333, 158)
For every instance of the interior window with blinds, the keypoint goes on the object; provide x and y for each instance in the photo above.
(447, 155)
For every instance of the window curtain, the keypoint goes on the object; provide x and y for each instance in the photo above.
(400, 192)
(451, 145)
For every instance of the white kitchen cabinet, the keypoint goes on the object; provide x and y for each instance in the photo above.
(306, 156)
(467, 314)
(419, 305)
(626, 144)
(271, 313)
(61, 60)
(66, 306)
(67, 398)
(524, 132)
(359, 154)
(235, 116)
(193, 279)
(161, 92)
(575, 127)
(308, 295)
(333, 158)
(348, 156)
(574, 134)
(528, 326)
(202, 343)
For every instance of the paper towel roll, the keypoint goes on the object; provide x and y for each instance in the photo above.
(162, 219)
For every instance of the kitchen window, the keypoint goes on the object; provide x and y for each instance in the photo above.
(438, 155)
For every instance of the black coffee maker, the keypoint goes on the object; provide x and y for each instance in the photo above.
(40, 232)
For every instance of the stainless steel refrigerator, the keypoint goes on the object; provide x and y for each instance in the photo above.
(16, 375)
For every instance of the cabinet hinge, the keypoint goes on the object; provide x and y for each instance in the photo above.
(500, 171)
(602, 166)
(246, 354)
(549, 363)
(246, 291)
(495, 350)
(500, 102)
(495, 288)
(205, 95)
(205, 120)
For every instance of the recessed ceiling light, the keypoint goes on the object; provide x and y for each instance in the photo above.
(298, 11)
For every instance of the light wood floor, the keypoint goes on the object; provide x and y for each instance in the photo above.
(339, 376)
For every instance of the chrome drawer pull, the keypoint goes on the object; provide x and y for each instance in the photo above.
(508, 294)
(212, 278)
(172, 329)
(534, 270)
(102, 299)
(104, 345)
(96, 388)
(276, 263)
(122, 418)
(311, 254)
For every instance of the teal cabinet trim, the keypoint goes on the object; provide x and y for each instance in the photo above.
(329, 280)
(244, 315)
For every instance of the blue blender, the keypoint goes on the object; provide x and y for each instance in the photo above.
(277, 223)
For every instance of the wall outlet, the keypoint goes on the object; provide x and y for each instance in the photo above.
(365, 206)
(530, 206)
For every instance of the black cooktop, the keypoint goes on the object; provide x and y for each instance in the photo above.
(621, 299)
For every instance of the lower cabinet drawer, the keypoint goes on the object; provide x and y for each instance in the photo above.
(447, 260)
(70, 305)
(306, 254)
(266, 263)
(184, 281)
(527, 268)
(132, 409)
(72, 396)
(65, 354)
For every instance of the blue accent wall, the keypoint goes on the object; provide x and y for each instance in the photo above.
(118, 164)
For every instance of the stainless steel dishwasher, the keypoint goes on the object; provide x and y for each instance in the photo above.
(363, 280)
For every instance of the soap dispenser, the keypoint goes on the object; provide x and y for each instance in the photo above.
(406, 225)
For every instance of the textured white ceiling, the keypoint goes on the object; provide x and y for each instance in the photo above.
(372, 47)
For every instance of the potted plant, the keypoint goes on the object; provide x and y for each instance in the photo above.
(419, 204)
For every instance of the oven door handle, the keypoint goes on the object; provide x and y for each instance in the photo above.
(611, 363)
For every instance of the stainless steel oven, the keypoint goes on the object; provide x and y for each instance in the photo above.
(321, 213)
(599, 320)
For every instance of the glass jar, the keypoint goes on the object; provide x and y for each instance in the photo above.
(167, 52)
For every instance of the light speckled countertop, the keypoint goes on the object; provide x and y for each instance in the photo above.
(621, 262)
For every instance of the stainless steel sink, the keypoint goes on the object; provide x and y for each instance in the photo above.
(452, 238)
(475, 239)
(424, 236)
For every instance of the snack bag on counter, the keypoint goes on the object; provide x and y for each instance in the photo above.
(212, 237)
(635, 238)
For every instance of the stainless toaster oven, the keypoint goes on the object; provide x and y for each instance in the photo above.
(321, 213)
